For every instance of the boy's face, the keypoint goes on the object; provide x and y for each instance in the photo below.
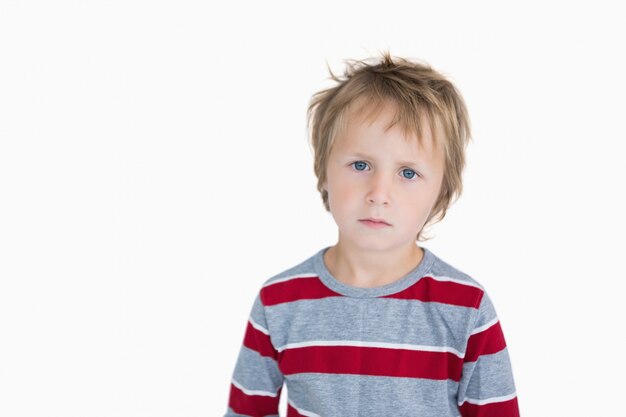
(374, 174)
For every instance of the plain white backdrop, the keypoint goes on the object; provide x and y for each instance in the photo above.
(155, 170)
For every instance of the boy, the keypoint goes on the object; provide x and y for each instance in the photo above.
(377, 325)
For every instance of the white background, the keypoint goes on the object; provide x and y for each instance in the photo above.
(154, 171)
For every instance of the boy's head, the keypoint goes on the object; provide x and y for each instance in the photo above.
(421, 100)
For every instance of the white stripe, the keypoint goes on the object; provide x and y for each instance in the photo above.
(371, 344)
(489, 400)
(258, 326)
(484, 326)
(283, 279)
(253, 392)
(303, 412)
(458, 281)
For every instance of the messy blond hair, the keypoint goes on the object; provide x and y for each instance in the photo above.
(415, 90)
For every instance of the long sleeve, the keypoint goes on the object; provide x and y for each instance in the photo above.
(257, 381)
(486, 388)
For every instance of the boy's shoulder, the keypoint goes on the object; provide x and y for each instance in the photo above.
(443, 270)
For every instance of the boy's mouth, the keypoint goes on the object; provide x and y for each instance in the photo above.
(372, 220)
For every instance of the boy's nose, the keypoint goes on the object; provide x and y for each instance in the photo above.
(379, 192)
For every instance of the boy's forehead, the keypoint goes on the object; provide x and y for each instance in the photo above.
(363, 116)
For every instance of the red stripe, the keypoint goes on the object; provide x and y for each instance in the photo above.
(295, 289)
(292, 412)
(484, 343)
(361, 360)
(253, 405)
(508, 408)
(447, 292)
(259, 341)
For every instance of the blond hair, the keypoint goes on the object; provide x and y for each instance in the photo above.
(416, 90)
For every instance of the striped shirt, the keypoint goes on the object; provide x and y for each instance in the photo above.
(428, 344)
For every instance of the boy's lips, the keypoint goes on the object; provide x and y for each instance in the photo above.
(375, 220)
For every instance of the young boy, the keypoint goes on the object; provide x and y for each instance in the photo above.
(377, 325)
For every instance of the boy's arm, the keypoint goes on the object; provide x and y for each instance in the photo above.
(486, 388)
(257, 381)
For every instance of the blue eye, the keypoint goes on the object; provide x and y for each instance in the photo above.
(360, 163)
(410, 170)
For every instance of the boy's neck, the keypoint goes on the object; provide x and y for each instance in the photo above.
(367, 270)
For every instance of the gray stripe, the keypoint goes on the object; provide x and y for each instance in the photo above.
(430, 264)
(337, 395)
(256, 372)
(490, 376)
(442, 268)
(257, 313)
(377, 320)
